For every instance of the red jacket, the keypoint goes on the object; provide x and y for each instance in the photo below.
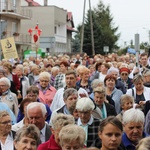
(49, 145)
(16, 81)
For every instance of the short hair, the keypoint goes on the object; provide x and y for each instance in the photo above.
(60, 120)
(125, 97)
(100, 90)
(143, 54)
(6, 81)
(68, 92)
(96, 82)
(133, 115)
(55, 68)
(20, 66)
(23, 102)
(137, 78)
(85, 104)
(37, 104)
(71, 72)
(8, 65)
(97, 65)
(106, 65)
(44, 75)
(33, 89)
(144, 144)
(65, 63)
(3, 72)
(72, 133)
(4, 113)
(109, 76)
(81, 70)
(112, 69)
(111, 120)
(30, 131)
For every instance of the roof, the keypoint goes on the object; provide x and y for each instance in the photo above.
(33, 3)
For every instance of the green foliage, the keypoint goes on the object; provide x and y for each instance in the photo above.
(103, 28)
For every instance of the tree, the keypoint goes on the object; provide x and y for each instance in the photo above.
(103, 28)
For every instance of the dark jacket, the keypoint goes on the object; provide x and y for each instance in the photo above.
(110, 109)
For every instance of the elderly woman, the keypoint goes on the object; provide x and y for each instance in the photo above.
(119, 84)
(72, 137)
(28, 137)
(24, 82)
(126, 102)
(58, 121)
(90, 124)
(25, 120)
(13, 77)
(124, 77)
(6, 135)
(139, 92)
(84, 81)
(110, 133)
(144, 144)
(95, 83)
(112, 91)
(100, 101)
(7, 96)
(133, 121)
(46, 91)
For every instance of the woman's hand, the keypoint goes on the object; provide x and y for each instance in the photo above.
(141, 103)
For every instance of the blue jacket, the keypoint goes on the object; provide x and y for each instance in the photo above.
(21, 115)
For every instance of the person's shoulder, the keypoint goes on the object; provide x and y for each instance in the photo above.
(43, 145)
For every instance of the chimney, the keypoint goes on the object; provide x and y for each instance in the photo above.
(45, 2)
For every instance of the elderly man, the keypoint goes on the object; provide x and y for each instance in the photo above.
(85, 106)
(36, 112)
(60, 120)
(133, 121)
(70, 79)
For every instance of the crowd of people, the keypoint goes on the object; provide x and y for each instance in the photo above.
(75, 102)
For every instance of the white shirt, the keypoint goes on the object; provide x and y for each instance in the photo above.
(42, 134)
(9, 143)
(58, 100)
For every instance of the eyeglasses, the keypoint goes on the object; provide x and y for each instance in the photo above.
(44, 81)
(124, 74)
(2, 85)
(6, 122)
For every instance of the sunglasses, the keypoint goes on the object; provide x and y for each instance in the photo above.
(124, 74)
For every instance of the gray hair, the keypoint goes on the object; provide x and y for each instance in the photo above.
(133, 115)
(44, 75)
(125, 97)
(144, 144)
(74, 132)
(112, 69)
(30, 131)
(39, 105)
(96, 82)
(6, 81)
(54, 69)
(20, 66)
(60, 120)
(85, 104)
(68, 92)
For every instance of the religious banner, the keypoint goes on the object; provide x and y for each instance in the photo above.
(9, 48)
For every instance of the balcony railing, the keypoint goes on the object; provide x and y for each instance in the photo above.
(20, 38)
(10, 8)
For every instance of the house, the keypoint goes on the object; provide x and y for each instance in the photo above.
(11, 14)
(56, 25)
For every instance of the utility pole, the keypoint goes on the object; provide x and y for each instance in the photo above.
(92, 35)
(82, 31)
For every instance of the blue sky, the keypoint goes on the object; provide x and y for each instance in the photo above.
(132, 16)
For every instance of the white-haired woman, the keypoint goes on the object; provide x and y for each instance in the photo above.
(24, 82)
(85, 106)
(46, 91)
(133, 121)
(7, 96)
